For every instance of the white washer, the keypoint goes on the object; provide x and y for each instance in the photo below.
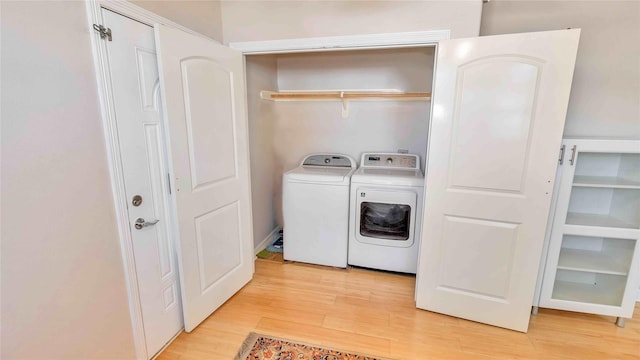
(386, 212)
(316, 209)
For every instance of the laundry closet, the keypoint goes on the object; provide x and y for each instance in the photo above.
(282, 130)
(488, 141)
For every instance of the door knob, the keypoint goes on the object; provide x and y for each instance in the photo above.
(137, 200)
(141, 223)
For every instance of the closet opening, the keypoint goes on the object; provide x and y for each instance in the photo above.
(347, 102)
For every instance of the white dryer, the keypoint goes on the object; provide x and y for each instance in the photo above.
(316, 210)
(386, 212)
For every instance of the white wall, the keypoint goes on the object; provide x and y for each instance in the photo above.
(282, 133)
(262, 74)
(63, 284)
(605, 96)
(305, 127)
(267, 20)
(203, 16)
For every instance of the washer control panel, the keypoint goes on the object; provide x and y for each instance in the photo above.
(334, 160)
(390, 160)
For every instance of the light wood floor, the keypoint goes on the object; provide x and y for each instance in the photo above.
(374, 313)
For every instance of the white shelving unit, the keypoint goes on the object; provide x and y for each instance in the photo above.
(593, 261)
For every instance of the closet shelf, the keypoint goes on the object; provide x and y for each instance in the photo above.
(342, 95)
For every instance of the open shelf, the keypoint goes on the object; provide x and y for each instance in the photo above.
(602, 289)
(615, 170)
(605, 182)
(593, 261)
(596, 254)
(598, 220)
(604, 207)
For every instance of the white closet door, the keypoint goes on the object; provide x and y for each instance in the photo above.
(203, 85)
(134, 77)
(499, 108)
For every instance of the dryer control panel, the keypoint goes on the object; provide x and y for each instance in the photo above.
(390, 160)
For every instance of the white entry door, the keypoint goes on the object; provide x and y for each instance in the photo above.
(498, 114)
(136, 100)
(203, 85)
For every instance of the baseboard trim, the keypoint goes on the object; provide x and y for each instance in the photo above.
(263, 244)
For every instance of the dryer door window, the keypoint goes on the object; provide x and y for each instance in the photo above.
(385, 221)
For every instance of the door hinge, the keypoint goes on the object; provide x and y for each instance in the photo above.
(105, 33)
(169, 182)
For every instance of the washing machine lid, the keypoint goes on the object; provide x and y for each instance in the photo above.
(382, 176)
(320, 174)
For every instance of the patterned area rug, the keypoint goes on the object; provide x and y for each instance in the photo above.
(259, 347)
